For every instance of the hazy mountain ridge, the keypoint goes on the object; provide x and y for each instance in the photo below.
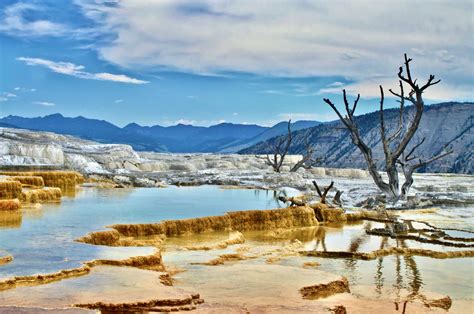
(442, 125)
(180, 138)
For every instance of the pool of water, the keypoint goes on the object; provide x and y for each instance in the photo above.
(390, 277)
(41, 239)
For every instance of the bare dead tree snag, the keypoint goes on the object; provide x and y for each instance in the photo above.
(323, 195)
(337, 198)
(308, 160)
(394, 145)
(280, 149)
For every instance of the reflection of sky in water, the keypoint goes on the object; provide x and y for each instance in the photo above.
(42, 241)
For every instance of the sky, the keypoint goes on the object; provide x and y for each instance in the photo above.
(207, 62)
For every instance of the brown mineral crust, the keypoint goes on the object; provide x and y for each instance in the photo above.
(33, 181)
(6, 259)
(324, 213)
(368, 215)
(383, 232)
(41, 195)
(166, 279)
(151, 262)
(107, 237)
(292, 217)
(390, 251)
(34, 280)
(311, 264)
(225, 258)
(234, 238)
(60, 179)
(175, 227)
(444, 303)
(325, 290)
(338, 309)
(161, 305)
(10, 189)
(10, 205)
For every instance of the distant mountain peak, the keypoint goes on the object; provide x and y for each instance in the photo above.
(54, 115)
(132, 125)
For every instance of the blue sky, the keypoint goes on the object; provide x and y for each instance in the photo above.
(168, 62)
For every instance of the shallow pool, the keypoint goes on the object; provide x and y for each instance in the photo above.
(41, 239)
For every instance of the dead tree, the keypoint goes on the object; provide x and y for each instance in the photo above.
(394, 145)
(308, 160)
(409, 167)
(324, 194)
(280, 149)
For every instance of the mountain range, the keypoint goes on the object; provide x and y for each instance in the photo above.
(444, 126)
(180, 138)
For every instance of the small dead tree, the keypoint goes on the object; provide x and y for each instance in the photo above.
(280, 149)
(394, 145)
(308, 160)
(324, 194)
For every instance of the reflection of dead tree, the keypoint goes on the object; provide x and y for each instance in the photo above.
(394, 145)
(379, 280)
(321, 238)
(280, 149)
(410, 262)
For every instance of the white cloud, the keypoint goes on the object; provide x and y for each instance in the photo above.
(44, 103)
(24, 89)
(9, 95)
(358, 40)
(3, 98)
(192, 122)
(14, 22)
(72, 69)
(296, 116)
(184, 121)
(369, 88)
(235, 114)
(118, 101)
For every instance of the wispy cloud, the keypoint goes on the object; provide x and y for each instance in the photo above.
(44, 103)
(296, 116)
(6, 96)
(15, 23)
(369, 88)
(72, 69)
(24, 89)
(9, 95)
(118, 101)
(339, 38)
(192, 122)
